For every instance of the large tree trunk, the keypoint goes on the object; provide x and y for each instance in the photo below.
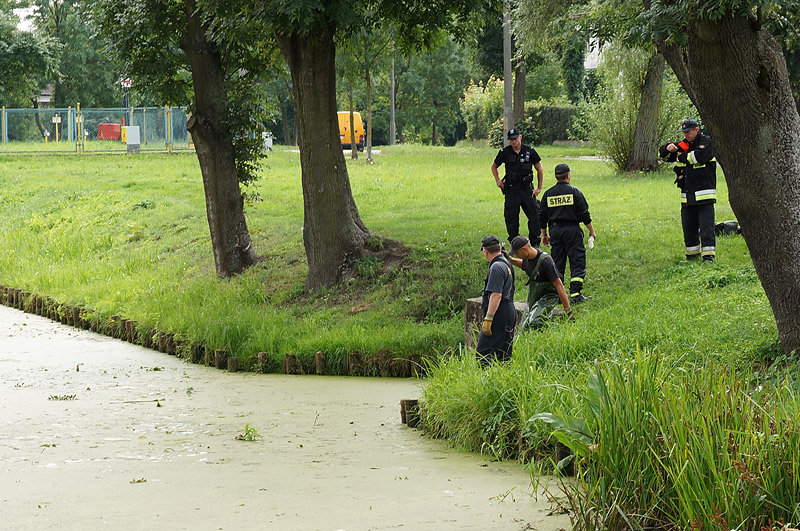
(519, 92)
(736, 75)
(333, 233)
(645, 133)
(230, 239)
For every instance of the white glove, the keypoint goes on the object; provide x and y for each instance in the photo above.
(590, 243)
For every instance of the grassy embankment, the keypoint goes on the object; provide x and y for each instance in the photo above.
(660, 369)
(128, 236)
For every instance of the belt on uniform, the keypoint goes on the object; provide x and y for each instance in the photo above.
(564, 223)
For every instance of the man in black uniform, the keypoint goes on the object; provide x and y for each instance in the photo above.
(517, 185)
(563, 209)
(696, 172)
(499, 314)
(545, 287)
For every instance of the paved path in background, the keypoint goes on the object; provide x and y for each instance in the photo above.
(96, 433)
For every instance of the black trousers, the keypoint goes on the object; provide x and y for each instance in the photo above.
(698, 227)
(516, 197)
(566, 243)
(497, 347)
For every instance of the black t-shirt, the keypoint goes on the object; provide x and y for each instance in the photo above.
(519, 166)
(547, 270)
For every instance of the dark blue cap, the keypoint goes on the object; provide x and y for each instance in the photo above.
(688, 125)
(489, 241)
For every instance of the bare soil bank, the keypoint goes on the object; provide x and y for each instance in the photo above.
(96, 433)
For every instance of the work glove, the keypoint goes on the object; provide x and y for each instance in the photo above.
(486, 327)
(590, 244)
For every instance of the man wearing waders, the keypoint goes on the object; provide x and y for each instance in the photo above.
(497, 304)
(563, 210)
(545, 288)
(696, 177)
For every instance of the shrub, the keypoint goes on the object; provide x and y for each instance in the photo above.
(531, 132)
(481, 106)
(610, 119)
(552, 119)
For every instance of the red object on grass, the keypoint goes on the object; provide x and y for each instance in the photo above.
(108, 131)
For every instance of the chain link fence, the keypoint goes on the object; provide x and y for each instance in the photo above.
(78, 130)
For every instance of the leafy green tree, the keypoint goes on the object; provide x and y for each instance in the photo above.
(366, 50)
(87, 74)
(26, 59)
(181, 52)
(431, 89)
(735, 73)
(333, 233)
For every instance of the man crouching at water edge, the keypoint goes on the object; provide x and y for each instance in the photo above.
(497, 304)
(545, 287)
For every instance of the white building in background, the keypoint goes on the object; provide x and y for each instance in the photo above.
(592, 58)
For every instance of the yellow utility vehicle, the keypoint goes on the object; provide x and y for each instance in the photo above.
(344, 130)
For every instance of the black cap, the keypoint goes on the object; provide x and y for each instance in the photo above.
(489, 241)
(518, 243)
(688, 125)
(562, 169)
(513, 133)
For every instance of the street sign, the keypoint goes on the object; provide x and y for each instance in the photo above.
(56, 119)
(126, 83)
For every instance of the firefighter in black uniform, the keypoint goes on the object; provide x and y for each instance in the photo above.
(563, 209)
(517, 185)
(696, 176)
(499, 314)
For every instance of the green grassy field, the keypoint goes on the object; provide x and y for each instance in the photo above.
(665, 341)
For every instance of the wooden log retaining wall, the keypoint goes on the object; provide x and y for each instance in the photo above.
(133, 332)
(473, 318)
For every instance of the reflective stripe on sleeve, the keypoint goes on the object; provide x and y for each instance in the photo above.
(691, 157)
(701, 195)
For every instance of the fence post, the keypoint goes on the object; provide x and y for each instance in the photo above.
(144, 125)
(79, 127)
(5, 126)
(169, 129)
(69, 123)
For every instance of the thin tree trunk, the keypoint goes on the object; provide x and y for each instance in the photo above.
(645, 132)
(392, 123)
(434, 140)
(230, 239)
(353, 143)
(508, 111)
(369, 117)
(285, 120)
(333, 233)
(519, 92)
(736, 75)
